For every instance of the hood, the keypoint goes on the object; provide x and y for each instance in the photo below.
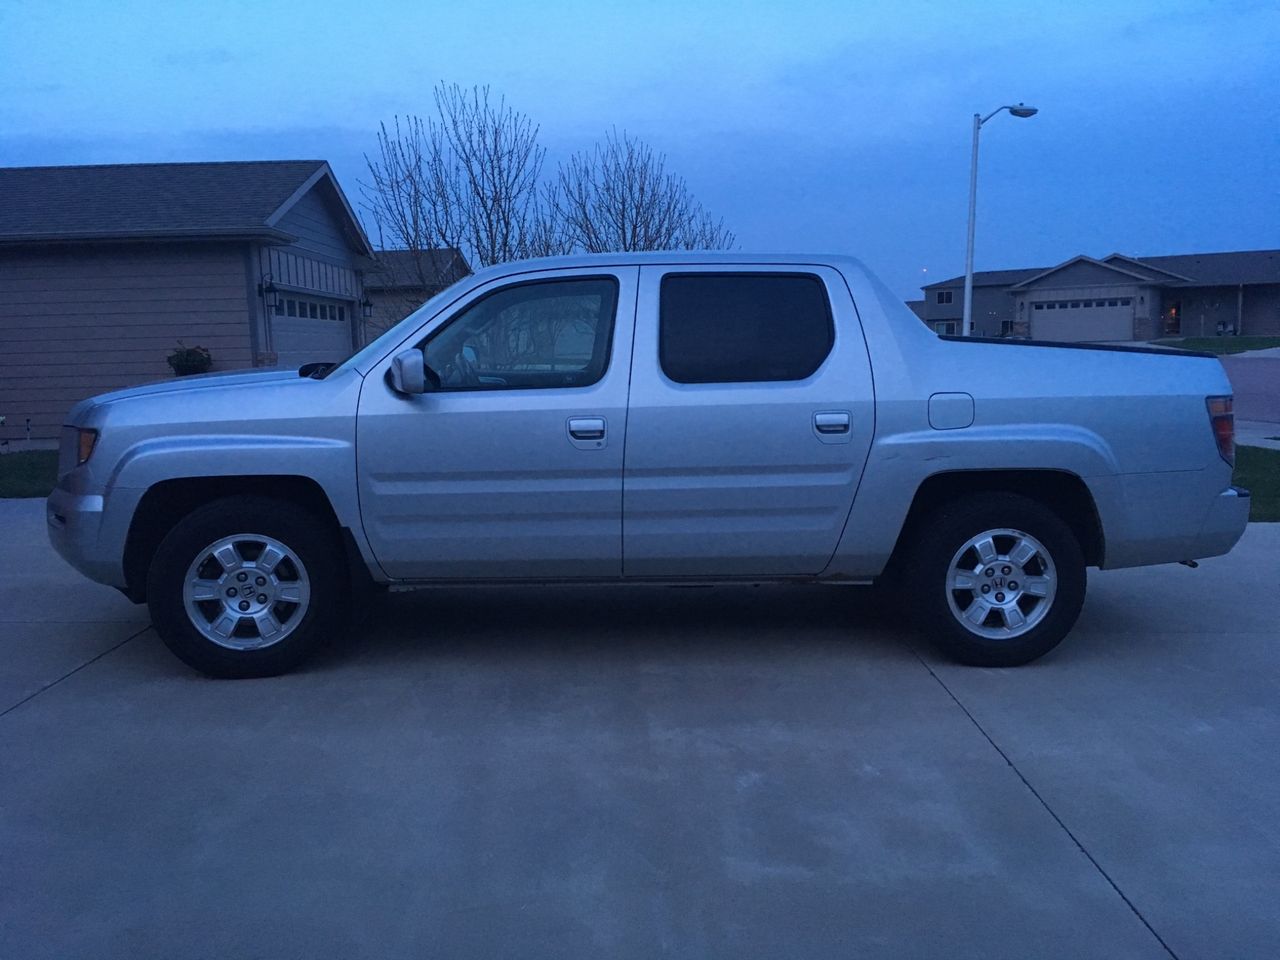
(181, 387)
(205, 381)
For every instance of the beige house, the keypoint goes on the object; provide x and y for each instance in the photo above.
(1118, 298)
(104, 269)
(402, 280)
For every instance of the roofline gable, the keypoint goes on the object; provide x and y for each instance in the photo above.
(1146, 266)
(1082, 258)
(323, 172)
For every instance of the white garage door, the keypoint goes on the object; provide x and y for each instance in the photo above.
(1074, 321)
(307, 329)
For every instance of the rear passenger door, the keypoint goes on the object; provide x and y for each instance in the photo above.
(750, 418)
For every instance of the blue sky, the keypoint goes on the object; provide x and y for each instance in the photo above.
(808, 126)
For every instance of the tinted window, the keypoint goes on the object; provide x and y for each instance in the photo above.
(738, 328)
(553, 333)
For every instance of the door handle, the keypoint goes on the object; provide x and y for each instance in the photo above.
(586, 428)
(831, 422)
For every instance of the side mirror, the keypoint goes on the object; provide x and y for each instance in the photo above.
(408, 372)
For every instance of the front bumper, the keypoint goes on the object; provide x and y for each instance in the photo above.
(74, 522)
(1223, 525)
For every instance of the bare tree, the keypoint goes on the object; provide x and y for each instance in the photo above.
(471, 177)
(621, 197)
(409, 197)
(468, 178)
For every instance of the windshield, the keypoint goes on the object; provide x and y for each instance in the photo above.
(393, 333)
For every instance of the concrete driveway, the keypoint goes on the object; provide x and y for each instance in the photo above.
(745, 772)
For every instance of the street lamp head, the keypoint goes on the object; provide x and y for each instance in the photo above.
(1022, 110)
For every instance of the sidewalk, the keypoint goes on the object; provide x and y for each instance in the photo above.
(1257, 433)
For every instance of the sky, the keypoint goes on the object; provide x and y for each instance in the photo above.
(815, 126)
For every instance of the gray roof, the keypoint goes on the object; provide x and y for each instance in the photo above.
(1207, 269)
(407, 270)
(991, 278)
(149, 200)
(1200, 269)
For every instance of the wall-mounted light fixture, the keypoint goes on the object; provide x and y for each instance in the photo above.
(366, 308)
(267, 290)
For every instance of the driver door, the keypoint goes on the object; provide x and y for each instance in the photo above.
(512, 467)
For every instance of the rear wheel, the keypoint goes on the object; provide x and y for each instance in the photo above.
(247, 587)
(996, 579)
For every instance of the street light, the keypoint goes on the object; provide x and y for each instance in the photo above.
(1020, 110)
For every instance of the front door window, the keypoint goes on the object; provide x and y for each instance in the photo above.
(553, 333)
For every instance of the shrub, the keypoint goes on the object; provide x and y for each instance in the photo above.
(186, 361)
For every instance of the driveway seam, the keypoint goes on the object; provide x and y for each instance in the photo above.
(71, 673)
(1044, 803)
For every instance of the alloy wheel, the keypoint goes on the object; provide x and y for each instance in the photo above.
(246, 592)
(1001, 584)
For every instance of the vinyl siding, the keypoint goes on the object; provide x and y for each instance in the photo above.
(316, 228)
(1262, 310)
(79, 321)
(392, 306)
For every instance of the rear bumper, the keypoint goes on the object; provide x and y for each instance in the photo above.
(1223, 525)
(74, 522)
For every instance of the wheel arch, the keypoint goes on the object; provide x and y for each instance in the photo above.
(168, 501)
(1061, 491)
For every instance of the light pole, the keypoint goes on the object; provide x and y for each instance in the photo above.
(1017, 110)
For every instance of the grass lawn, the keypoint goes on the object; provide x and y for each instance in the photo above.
(1222, 344)
(1258, 471)
(29, 473)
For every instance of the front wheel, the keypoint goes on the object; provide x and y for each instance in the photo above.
(246, 587)
(997, 580)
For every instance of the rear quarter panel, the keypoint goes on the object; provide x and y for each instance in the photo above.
(1131, 425)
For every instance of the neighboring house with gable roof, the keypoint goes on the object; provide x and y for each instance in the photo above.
(103, 269)
(402, 280)
(1118, 298)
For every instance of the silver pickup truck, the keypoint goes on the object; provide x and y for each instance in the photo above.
(669, 418)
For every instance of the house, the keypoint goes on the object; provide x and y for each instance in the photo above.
(400, 281)
(1118, 297)
(103, 269)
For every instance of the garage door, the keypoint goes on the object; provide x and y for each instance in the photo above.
(307, 329)
(1082, 320)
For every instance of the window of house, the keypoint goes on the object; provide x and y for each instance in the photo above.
(550, 333)
(313, 309)
(1125, 302)
(1006, 327)
(945, 328)
(1038, 306)
(944, 296)
(1113, 303)
(743, 328)
(1050, 306)
(1075, 303)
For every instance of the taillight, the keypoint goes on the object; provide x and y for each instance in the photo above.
(1224, 426)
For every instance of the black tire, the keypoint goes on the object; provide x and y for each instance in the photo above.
(316, 545)
(927, 561)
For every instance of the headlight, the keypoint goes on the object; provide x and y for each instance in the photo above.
(84, 448)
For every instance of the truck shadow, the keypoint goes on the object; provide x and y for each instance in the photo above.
(612, 622)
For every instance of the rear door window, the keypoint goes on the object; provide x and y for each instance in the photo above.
(743, 327)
